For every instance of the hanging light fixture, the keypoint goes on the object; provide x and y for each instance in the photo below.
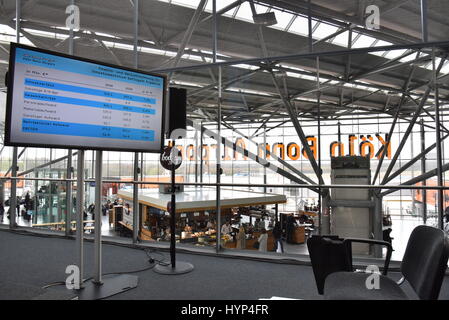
(265, 19)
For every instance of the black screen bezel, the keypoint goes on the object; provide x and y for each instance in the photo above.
(9, 102)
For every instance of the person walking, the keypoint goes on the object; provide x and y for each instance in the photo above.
(290, 228)
(2, 211)
(19, 200)
(277, 234)
(241, 238)
(263, 239)
(27, 201)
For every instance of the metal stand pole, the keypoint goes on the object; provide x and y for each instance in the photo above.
(68, 195)
(175, 267)
(201, 152)
(439, 160)
(68, 189)
(218, 167)
(13, 193)
(265, 158)
(218, 160)
(423, 170)
(13, 198)
(98, 215)
(136, 225)
(173, 219)
(99, 287)
(320, 211)
(377, 224)
(79, 216)
(196, 155)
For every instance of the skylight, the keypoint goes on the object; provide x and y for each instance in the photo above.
(341, 39)
(186, 3)
(364, 42)
(324, 30)
(283, 19)
(244, 12)
(47, 34)
(301, 26)
(445, 68)
(249, 91)
(8, 34)
(395, 53)
(220, 5)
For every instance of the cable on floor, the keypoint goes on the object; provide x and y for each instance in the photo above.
(153, 262)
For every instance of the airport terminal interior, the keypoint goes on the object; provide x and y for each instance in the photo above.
(292, 120)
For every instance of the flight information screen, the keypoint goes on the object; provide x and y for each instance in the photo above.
(61, 101)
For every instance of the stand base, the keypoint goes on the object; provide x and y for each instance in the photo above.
(181, 268)
(111, 285)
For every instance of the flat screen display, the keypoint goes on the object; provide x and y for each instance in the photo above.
(61, 101)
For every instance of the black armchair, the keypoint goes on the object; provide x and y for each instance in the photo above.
(348, 245)
(423, 266)
(330, 254)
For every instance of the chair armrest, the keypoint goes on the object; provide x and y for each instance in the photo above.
(349, 241)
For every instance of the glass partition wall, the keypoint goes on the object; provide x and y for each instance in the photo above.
(267, 122)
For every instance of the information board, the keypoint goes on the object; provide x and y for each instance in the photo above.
(61, 101)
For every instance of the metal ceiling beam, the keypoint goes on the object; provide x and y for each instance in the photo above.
(387, 143)
(442, 126)
(27, 24)
(413, 161)
(420, 178)
(409, 120)
(219, 13)
(228, 82)
(337, 84)
(339, 18)
(406, 135)
(289, 24)
(361, 6)
(18, 157)
(284, 163)
(45, 165)
(389, 67)
(4, 49)
(390, 134)
(410, 127)
(148, 28)
(333, 35)
(284, 58)
(274, 127)
(424, 24)
(224, 87)
(224, 10)
(299, 131)
(190, 29)
(109, 50)
(12, 15)
(348, 58)
(281, 101)
(254, 157)
(341, 82)
(391, 5)
(263, 123)
(309, 26)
